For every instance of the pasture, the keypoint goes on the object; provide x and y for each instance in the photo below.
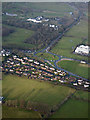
(72, 109)
(75, 67)
(75, 36)
(11, 112)
(38, 9)
(47, 56)
(14, 87)
(82, 95)
(17, 38)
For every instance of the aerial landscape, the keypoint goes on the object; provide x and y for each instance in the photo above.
(44, 60)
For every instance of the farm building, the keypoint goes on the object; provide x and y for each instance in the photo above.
(82, 49)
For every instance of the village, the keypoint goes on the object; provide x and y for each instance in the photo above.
(36, 69)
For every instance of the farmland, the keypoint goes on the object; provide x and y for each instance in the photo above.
(47, 56)
(82, 95)
(10, 112)
(38, 9)
(72, 109)
(75, 67)
(17, 38)
(75, 36)
(15, 87)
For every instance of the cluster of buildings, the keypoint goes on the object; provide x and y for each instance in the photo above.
(31, 68)
(38, 19)
(83, 50)
(25, 66)
(4, 53)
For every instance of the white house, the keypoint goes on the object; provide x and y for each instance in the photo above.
(86, 86)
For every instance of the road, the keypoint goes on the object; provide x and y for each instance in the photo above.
(60, 57)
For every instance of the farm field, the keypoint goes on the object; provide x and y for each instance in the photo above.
(47, 56)
(15, 87)
(17, 38)
(39, 9)
(10, 112)
(75, 67)
(75, 36)
(82, 95)
(72, 109)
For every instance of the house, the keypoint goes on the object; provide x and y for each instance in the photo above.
(75, 84)
(87, 83)
(83, 62)
(61, 81)
(86, 86)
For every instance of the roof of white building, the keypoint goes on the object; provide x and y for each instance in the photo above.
(82, 49)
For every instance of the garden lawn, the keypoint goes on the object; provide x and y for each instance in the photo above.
(75, 67)
(17, 38)
(10, 112)
(19, 88)
(47, 56)
(72, 109)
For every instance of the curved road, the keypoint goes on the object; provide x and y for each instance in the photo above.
(53, 42)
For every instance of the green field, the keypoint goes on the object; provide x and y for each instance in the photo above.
(10, 112)
(38, 9)
(17, 38)
(47, 56)
(82, 95)
(75, 36)
(72, 109)
(75, 67)
(19, 88)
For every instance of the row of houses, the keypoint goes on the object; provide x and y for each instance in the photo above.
(32, 68)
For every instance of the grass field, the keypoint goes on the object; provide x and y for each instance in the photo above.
(75, 36)
(72, 109)
(38, 9)
(47, 56)
(19, 88)
(82, 95)
(10, 112)
(17, 38)
(75, 67)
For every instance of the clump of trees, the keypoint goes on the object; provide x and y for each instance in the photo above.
(43, 37)
(43, 109)
(6, 31)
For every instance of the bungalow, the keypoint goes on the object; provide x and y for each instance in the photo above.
(11, 70)
(75, 84)
(80, 83)
(25, 74)
(37, 63)
(86, 86)
(42, 64)
(61, 81)
(87, 83)
(30, 60)
(14, 56)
